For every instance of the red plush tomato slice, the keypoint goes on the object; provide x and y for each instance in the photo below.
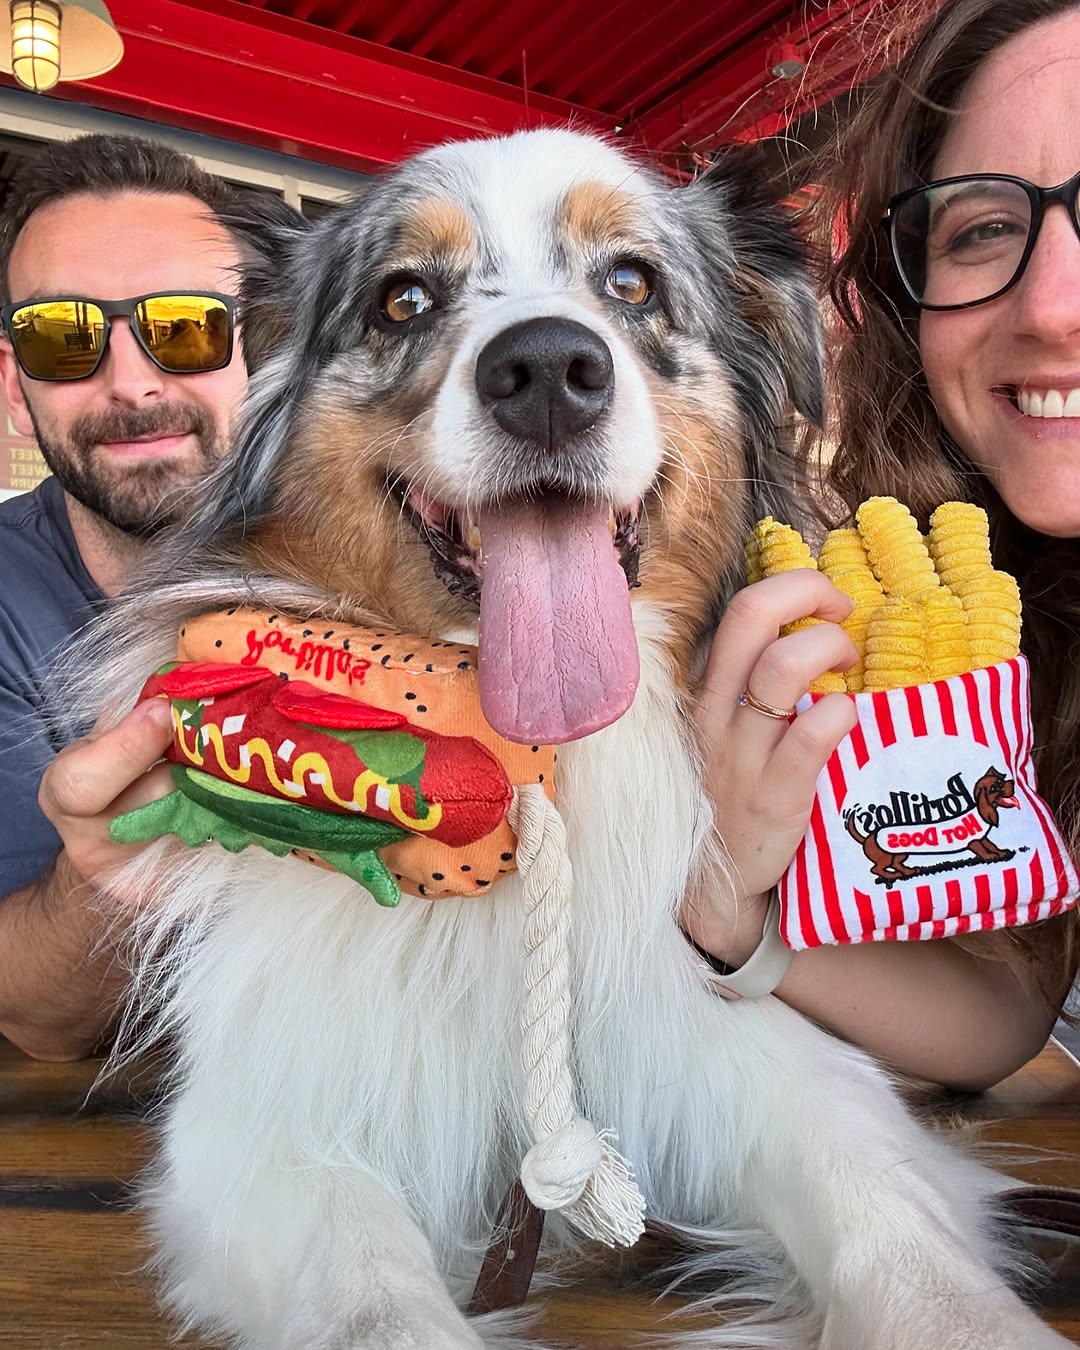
(301, 702)
(204, 679)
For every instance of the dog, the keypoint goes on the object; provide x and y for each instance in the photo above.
(513, 353)
(189, 347)
(992, 790)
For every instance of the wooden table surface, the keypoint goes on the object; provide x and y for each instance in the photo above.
(70, 1249)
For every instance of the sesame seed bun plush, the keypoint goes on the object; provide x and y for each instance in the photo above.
(355, 748)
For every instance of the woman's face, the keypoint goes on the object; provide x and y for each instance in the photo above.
(1021, 116)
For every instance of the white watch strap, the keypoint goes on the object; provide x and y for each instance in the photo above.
(766, 967)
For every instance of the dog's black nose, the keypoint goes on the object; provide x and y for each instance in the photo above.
(546, 380)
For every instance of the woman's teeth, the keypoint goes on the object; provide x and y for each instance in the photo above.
(1049, 402)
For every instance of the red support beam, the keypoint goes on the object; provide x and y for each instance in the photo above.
(231, 70)
(673, 62)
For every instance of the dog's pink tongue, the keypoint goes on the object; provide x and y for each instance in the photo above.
(558, 656)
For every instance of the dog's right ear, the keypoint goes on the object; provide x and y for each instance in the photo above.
(269, 232)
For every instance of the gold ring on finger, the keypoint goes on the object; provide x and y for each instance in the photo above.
(747, 700)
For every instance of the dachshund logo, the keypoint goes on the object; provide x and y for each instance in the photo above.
(915, 826)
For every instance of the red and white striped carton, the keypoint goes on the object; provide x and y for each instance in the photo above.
(927, 822)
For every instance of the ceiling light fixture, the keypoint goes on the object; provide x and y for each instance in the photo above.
(785, 61)
(45, 41)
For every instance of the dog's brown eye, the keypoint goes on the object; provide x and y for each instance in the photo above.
(629, 283)
(406, 299)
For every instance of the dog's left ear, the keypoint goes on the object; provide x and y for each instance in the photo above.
(757, 247)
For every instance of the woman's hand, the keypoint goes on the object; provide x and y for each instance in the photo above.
(760, 771)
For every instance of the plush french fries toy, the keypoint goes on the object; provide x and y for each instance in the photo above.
(926, 822)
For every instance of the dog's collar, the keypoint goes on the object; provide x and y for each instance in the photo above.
(340, 689)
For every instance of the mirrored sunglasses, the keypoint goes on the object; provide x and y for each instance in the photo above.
(65, 337)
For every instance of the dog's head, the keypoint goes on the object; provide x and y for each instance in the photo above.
(994, 790)
(525, 379)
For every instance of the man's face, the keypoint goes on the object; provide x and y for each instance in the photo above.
(130, 439)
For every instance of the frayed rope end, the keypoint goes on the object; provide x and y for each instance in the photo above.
(578, 1171)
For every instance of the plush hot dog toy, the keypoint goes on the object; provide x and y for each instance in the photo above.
(360, 750)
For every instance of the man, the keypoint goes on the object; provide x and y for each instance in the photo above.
(88, 225)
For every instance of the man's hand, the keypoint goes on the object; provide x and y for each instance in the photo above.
(93, 780)
(60, 980)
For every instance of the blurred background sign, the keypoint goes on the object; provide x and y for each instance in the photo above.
(21, 465)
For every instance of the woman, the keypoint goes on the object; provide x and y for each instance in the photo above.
(957, 375)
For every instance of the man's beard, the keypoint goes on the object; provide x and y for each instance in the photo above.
(143, 496)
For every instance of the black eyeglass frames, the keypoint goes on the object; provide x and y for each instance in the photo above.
(966, 240)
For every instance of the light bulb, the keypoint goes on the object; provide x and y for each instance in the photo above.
(35, 44)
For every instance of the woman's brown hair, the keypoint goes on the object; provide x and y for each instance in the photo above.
(888, 437)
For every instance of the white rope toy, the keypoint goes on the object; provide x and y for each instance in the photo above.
(572, 1166)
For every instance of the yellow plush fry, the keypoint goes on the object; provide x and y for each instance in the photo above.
(896, 645)
(754, 569)
(841, 550)
(895, 548)
(832, 682)
(783, 549)
(948, 649)
(861, 586)
(858, 583)
(960, 547)
(991, 603)
(959, 542)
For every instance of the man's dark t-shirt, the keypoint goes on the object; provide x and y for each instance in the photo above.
(46, 596)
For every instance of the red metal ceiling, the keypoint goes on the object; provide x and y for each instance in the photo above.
(364, 82)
